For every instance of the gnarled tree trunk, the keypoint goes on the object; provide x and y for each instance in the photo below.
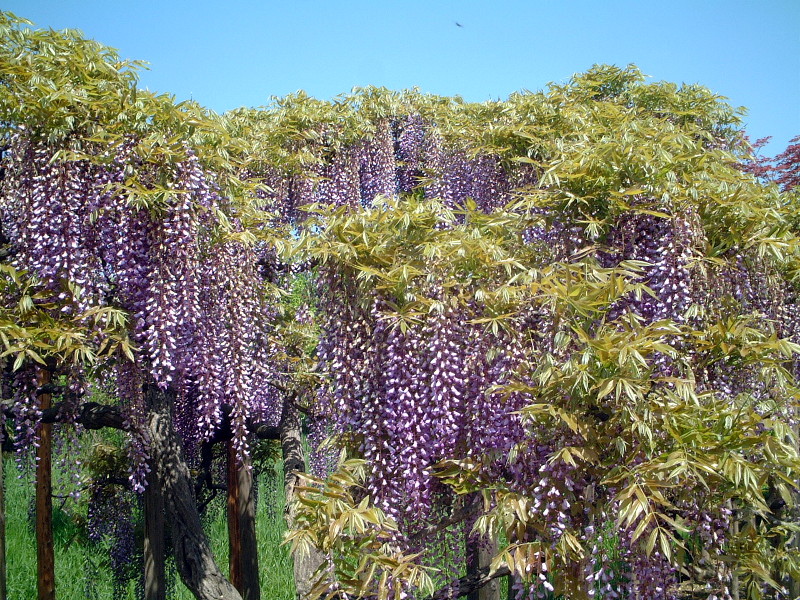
(155, 587)
(193, 557)
(293, 463)
(470, 583)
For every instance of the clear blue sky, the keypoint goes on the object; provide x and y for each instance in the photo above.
(235, 53)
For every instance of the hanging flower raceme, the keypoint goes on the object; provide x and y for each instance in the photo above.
(156, 251)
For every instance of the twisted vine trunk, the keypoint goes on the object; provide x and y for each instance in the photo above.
(154, 553)
(193, 557)
(293, 464)
(470, 583)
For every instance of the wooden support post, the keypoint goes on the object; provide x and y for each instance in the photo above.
(793, 583)
(479, 555)
(234, 538)
(45, 558)
(735, 566)
(3, 583)
(243, 551)
(511, 594)
(154, 551)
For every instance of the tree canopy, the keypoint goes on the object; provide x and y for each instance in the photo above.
(566, 322)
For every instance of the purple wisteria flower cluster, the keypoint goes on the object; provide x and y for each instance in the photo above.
(406, 392)
(400, 156)
(409, 397)
(196, 311)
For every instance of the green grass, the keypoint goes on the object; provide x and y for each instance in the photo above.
(82, 570)
(82, 567)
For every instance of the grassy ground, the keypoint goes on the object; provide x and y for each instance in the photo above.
(82, 567)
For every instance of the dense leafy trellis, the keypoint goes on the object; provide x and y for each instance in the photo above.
(559, 329)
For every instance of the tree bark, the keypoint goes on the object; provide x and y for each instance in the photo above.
(575, 584)
(154, 552)
(169, 478)
(467, 585)
(193, 557)
(45, 557)
(243, 550)
(293, 463)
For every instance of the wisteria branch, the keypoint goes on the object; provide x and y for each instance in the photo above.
(469, 509)
(470, 583)
(93, 415)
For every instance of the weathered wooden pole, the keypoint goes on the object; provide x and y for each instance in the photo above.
(793, 583)
(480, 553)
(734, 568)
(234, 539)
(45, 557)
(3, 583)
(243, 551)
(154, 552)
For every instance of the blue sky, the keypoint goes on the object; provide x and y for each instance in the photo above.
(235, 53)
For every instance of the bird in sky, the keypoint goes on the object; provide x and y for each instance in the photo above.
(458, 24)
